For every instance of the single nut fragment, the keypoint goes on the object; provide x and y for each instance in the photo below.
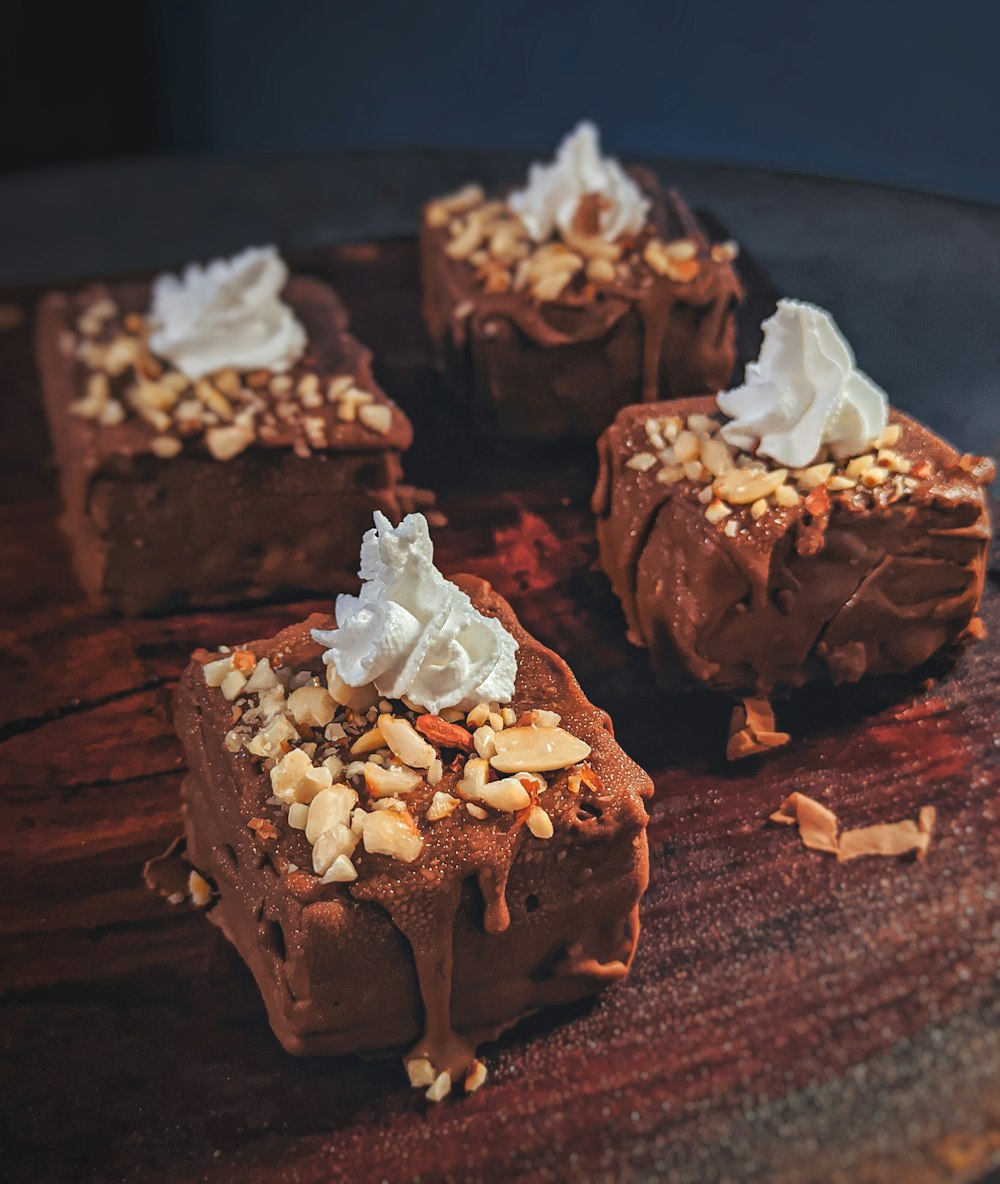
(875, 476)
(420, 1072)
(814, 476)
(298, 815)
(742, 487)
(479, 715)
(405, 742)
(893, 461)
(507, 795)
(725, 252)
(341, 871)
(335, 841)
(444, 734)
(330, 807)
(759, 508)
(441, 1087)
(215, 672)
(376, 416)
(225, 443)
(296, 779)
(540, 718)
(641, 462)
(388, 832)
(539, 823)
(859, 465)
(716, 456)
(475, 775)
(356, 698)
(475, 1077)
(890, 436)
(476, 811)
(677, 260)
(111, 414)
(369, 741)
(787, 496)
(838, 483)
(687, 447)
(263, 678)
(537, 750)
(390, 781)
(601, 271)
(442, 804)
(483, 739)
(717, 511)
(274, 738)
(232, 684)
(199, 889)
(312, 706)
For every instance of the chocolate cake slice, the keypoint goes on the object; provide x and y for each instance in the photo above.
(837, 575)
(545, 333)
(404, 880)
(238, 485)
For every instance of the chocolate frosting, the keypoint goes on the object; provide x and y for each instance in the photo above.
(487, 925)
(863, 588)
(563, 367)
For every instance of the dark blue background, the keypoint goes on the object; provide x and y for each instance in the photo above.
(906, 93)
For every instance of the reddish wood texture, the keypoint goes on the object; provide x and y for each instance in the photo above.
(787, 1018)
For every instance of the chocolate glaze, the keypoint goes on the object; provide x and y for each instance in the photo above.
(486, 926)
(151, 533)
(563, 367)
(862, 589)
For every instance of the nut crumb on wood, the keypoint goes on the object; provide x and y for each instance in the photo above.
(752, 729)
(819, 831)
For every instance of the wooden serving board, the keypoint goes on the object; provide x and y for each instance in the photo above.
(787, 1018)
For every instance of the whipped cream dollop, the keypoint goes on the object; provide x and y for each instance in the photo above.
(413, 633)
(226, 314)
(804, 393)
(550, 199)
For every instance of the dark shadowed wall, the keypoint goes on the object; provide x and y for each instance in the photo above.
(907, 93)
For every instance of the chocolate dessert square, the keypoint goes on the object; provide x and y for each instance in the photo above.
(546, 320)
(401, 879)
(244, 483)
(753, 578)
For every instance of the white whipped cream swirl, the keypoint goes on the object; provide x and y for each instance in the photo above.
(804, 393)
(412, 632)
(226, 314)
(549, 201)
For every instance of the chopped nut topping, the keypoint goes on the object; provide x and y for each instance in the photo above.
(695, 452)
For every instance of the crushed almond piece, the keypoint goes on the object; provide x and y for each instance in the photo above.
(441, 1087)
(165, 447)
(199, 889)
(420, 1072)
(444, 734)
(752, 729)
(376, 416)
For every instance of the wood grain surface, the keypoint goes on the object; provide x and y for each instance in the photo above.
(787, 1018)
